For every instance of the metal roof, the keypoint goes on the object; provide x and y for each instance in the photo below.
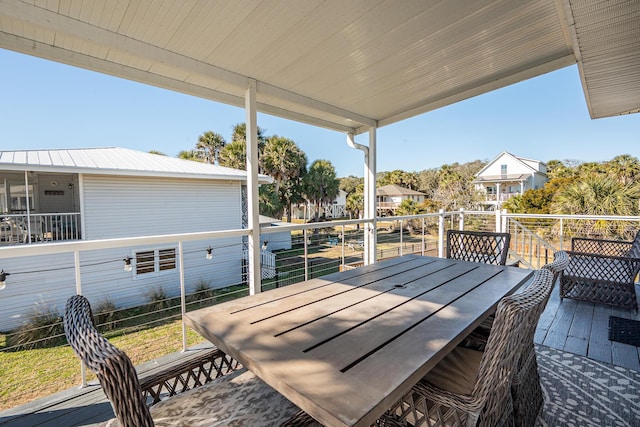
(343, 65)
(115, 161)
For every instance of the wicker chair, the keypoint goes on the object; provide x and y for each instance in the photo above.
(602, 271)
(526, 391)
(237, 398)
(478, 246)
(470, 387)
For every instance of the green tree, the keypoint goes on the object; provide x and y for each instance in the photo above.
(160, 153)
(597, 195)
(286, 163)
(350, 184)
(355, 202)
(408, 207)
(209, 145)
(189, 155)
(283, 159)
(625, 168)
(269, 202)
(321, 185)
(398, 177)
(538, 201)
(234, 155)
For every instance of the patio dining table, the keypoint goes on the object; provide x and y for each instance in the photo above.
(345, 347)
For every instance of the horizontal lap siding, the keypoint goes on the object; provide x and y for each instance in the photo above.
(129, 206)
(125, 207)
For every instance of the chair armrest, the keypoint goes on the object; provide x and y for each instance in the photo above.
(193, 371)
(600, 246)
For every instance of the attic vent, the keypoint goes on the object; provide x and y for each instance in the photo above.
(153, 261)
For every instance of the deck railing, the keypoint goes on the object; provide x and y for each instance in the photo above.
(37, 228)
(188, 278)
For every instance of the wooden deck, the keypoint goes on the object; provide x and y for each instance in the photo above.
(572, 326)
(582, 328)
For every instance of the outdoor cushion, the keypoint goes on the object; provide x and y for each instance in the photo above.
(236, 399)
(457, 371)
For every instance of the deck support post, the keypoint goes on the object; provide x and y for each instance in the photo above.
(252, 188)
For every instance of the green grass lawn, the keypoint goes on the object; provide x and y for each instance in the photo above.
(26, 375)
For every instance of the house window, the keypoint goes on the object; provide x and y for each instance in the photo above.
(154, 261)
(503, 169)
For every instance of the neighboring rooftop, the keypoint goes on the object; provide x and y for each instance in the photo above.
(396, 190)
(115, 161)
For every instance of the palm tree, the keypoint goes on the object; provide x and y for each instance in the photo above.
(282, 159)
(598, 195)
(239, 133)
(210, 144)
(286, 163)
(189, 155)
(625, 168)
(321, 184)
(234, 155)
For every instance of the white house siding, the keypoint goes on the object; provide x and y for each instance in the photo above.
(127, 207)
(513, 166)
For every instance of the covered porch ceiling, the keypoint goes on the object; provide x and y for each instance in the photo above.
(343, 65)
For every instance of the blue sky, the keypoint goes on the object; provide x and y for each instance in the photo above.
(49, 105)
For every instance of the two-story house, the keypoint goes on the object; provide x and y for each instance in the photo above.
(507, 175)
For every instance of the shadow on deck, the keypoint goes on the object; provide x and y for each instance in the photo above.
(573, 326)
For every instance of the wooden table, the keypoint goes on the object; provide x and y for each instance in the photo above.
(346, 346)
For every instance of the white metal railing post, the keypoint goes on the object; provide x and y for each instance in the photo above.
(504, 221)
(342, 249)
(183, 297)
(401, 253)
(461, 220)
(498, 218)
(76, 263)
(423, 239)
(441, 233)
(306, 263)
(561, 234)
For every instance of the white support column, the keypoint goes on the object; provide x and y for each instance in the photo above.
(252, 188)
(370, 201)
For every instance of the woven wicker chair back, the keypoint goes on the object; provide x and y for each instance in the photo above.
(112, 366)
(620, 248)
(516, 316)
(478, 246)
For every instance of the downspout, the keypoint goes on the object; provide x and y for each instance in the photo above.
(369, 195)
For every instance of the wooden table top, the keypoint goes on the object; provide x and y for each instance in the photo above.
(346, 346)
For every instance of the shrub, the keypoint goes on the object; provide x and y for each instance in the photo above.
(106, 315)
(157, 299)
(202, 292)
(42, 329)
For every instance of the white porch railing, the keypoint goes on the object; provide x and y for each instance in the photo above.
(34, 228)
